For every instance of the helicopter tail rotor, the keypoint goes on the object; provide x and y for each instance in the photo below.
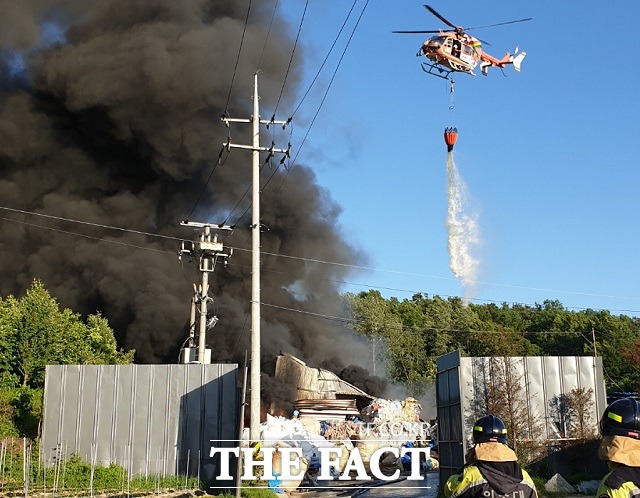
(517, 60)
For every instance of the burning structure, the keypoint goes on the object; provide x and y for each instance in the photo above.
(319, 392)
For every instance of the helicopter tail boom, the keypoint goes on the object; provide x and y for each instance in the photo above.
(515, 59)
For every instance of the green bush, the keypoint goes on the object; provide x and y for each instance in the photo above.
(27, 403)
(253, 493)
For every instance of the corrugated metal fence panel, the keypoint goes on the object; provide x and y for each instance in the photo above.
(545, 380)
(151, 419)
(535, 385)
(461, 382)
(552, 387)
(475, 375)
(590, 373)
(121, 446)
(106, 394)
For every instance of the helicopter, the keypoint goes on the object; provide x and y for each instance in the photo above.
(458, 52)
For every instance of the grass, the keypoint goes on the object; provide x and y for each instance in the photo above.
(253, 493)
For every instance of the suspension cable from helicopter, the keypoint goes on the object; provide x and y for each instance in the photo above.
(451, 95)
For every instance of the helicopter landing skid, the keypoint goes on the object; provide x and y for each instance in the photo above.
(432, 68)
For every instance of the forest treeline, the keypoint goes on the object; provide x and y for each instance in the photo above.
(407, 336)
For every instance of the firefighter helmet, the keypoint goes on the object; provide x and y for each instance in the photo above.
(489, 429)
(621, 418)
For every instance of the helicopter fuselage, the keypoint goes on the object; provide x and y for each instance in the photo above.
(458, 53)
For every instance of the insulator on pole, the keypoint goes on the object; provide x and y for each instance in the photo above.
(450, 137)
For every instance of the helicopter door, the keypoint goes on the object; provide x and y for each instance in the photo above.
(456, 48)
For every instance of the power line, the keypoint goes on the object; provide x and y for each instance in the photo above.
(295, 44)
(326, 92)
(235, 69)
(324, 97)
(326, 57)
(266, 38)
(303, 259)
(423, 292)
(70, 220)
(146, 248)
(309, 313)
(219, 162)
(306, 93)
(244, 213)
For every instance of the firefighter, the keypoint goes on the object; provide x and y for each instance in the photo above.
(620, 447)
(491, 468)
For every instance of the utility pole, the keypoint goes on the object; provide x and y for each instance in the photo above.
(254, 401)
(209, 250)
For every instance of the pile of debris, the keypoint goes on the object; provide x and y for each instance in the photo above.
(331, 413)
(383, 423)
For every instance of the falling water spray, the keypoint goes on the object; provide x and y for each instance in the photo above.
(462, 227)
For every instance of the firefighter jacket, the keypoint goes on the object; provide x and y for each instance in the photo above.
(621, 482)
(623, 456)
(491, 472)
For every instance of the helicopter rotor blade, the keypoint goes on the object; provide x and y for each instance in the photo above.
(415, 32)
(435, 13)
(500, 24)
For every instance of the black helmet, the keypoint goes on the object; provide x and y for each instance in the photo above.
(621, 418)
(489, 429)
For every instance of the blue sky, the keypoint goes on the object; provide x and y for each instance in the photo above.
(549, 155)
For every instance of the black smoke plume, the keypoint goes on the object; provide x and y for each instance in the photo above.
(110, 114)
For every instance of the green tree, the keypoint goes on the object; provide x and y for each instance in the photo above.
(392, 341)
(372, 319)
(34, 333)
(632, 355)
(615, 337)
(41, 334)
(407, 358)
